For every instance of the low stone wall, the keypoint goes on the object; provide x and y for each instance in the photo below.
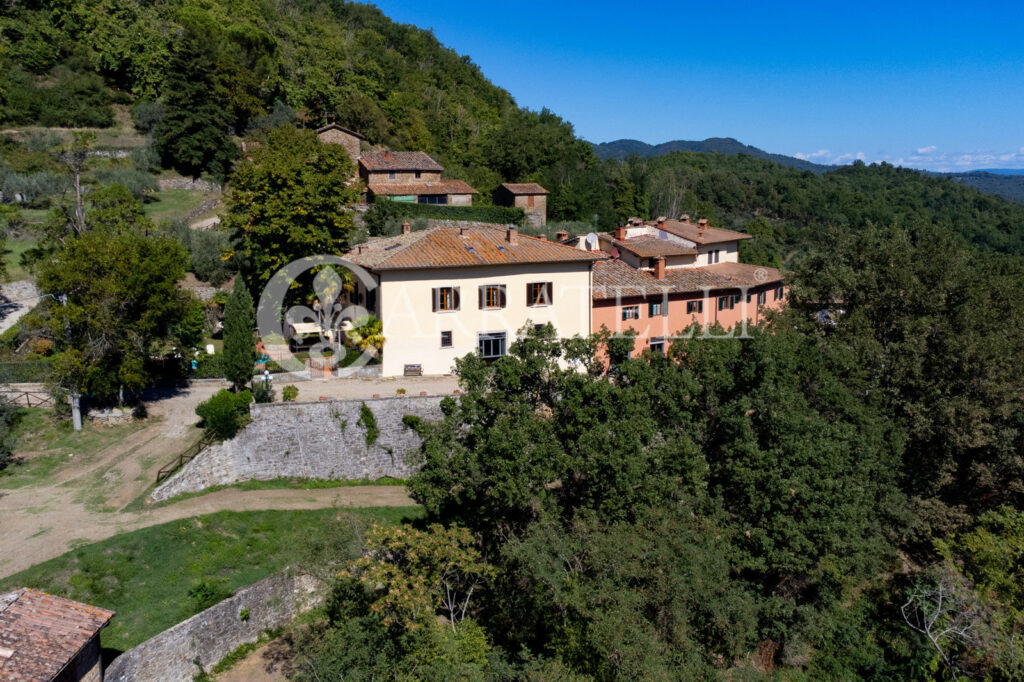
(309, 440)
(207, 637)
(197, 184)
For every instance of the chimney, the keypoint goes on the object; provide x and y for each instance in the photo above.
(561, 235)
(542, 237)
(702, 225)
(620, 233)
(659, 267)
(661, 221)
(685, 218)
(512, 235)
(463, 231)
(405, 227)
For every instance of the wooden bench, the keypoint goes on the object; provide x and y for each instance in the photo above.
(413, 370)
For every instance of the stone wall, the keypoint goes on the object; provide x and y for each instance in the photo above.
(209, 636)
(198, 184)
(309, 440)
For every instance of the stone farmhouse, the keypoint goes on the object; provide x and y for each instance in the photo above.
(660, 277)
(43, 637)
(412, 177)
(529, 196)
(444, 292)
(332, 133)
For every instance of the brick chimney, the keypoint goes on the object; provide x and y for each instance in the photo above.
(661, 221)
(405, 227)
(542, 237)
(685, 218)
(561, 235)
(659, 267)
(620, 233)
(512, 235)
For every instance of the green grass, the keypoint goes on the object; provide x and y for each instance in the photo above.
(145, 575)
(272, 484)
(172, 204)
(13, 249)
(46, 445)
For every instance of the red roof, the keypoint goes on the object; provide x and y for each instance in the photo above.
(417, 188)
(613, 278)
(460, 247)
(524, 188)
(398, 161)
(648, 246)
(701, 234)
(42, 633)
(335, 126)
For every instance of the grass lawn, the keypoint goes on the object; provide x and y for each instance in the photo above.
(146, 575)
(13, 249)
(172, 204)
(46, 445)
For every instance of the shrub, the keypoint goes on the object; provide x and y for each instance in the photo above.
(224, 412)
(262, 391)
(289, 393)
(209, 367)
(207, 248)
(206, 592)
(369, 422)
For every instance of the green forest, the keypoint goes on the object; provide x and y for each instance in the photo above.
(838, 497)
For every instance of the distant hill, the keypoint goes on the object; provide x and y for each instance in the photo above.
(1008, 184)
(1005, 183)
(622, 149)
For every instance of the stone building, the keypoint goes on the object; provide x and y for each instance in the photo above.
(412, 177)
(43, 637)
(332, 133)
(529, 196)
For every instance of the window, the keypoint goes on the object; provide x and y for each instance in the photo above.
(657, 309)
(446, 339)
(492, 345)
(539, 293)
(631, 312)
(445, 299)
(539, 327)
(749, 297)
(762, 298)
(392, 175)
(728, 302)
(491, 296)
(437, 199)
(529, 201)
(694, 307)
(658, 345)
(778, 292)
(418, 175)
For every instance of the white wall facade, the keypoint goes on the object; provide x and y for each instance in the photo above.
(412, 329)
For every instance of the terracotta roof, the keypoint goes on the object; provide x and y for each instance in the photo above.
(437, 187)
(524, 188)
(648, 246)
(461, 247)
(43, 632)
(335, 126)
(398, 161)
(614, 278)
(692, 231)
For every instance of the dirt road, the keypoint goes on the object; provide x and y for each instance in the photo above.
(83, 498)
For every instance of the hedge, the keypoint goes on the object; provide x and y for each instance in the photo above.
(502, 215)
(24, 372)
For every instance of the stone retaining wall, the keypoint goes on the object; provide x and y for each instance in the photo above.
(309, 440)
(209, 636)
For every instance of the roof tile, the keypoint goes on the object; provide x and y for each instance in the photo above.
(524, 188)
(398, 161)
(613, 278)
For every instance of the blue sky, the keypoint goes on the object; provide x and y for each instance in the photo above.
(937, 85)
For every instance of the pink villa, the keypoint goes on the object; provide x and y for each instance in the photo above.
(663, 276)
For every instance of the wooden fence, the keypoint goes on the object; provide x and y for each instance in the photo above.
(27, 398)
(186, 457)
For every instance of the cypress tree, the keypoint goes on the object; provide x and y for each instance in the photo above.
(239, 349)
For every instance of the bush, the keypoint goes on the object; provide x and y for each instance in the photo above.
(262, 391)
(138, 182)
(24, 372)
(225, 412)
(209, 367)
(289, 393)
(207, 592)
(206, 248)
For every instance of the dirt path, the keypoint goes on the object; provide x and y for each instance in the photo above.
(83, 499)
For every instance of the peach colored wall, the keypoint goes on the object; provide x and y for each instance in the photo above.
(609, 313)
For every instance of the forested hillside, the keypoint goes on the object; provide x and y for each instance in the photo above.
(622, 149)
(193, 73)
(784, 206)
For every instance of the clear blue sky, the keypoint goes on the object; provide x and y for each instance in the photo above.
(936, 85)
